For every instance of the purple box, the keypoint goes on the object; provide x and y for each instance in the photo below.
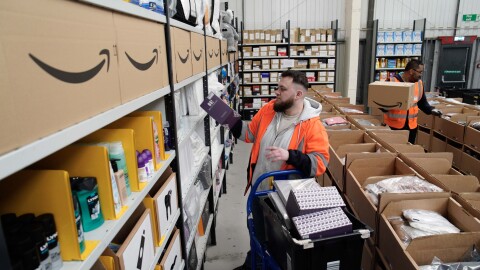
(219, 110)
(310, 200)
(326, 223)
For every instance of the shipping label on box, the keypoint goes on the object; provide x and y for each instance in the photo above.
(245, 35)
(399, 49)
(265, 61)
(262, 36)
(416, 36)
(323, 53)
(287, 63)
(389, 37)
(329, 35)
(407, 36)
(274, 66)
(331, 53)
(323, 65)
(380, 37)
(331, 73)
(391, 95)
(247, 54)
(267, 37)
(408, 49)
(390, 49)
(264, 87)
(272, 48)
(380, 50)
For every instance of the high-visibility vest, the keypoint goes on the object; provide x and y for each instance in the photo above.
(396, 118)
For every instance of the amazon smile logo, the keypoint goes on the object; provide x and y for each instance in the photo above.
(184, 59)
(197, 58)
(73, 77)
(143, 66)
(399, 104)
(217, 53)
(210, 54)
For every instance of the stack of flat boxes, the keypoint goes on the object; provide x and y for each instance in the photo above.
(262, 36)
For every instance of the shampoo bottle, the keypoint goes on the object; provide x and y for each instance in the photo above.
(156, 142)
(52, 239)
(86, 190)
(148, 156)
(142, 171)
(117, 202)
(117, 152)
(120, 179)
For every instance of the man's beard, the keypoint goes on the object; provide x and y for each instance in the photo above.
(282, 106)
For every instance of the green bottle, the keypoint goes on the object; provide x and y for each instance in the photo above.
(78, 222)
(86, 190)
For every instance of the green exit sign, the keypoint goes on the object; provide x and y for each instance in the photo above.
(471, 17)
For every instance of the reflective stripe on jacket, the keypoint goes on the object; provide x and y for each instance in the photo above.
(396, 118)
(308, 136)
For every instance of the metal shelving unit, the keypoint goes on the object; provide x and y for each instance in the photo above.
(159, 250)
(202, 242)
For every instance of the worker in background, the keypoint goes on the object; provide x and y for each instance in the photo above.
(286, 134)
(398, 119)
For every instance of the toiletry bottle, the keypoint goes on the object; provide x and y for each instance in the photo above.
(166, 136)
(120, 179)
(117, 152)
(25, 248)
(78, 222)
(37, 234)
(147, 164)
(26, 219)
(148, 156)
(156, 142)
(117, 202)
(86, 190)
(142, 171)
(48, 223)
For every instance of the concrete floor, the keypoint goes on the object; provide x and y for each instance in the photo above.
(232, 234)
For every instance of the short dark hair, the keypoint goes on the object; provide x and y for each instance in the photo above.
(298, 77)
(413, 64)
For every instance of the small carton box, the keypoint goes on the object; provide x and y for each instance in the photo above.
(246, 36)
(472, 136)
(264, 48)
(408, 49)
(315, 48)
(389, 37)
(251, 34)
(391, 95)
(417, 36)
(380, 37)
(399, 49)
(390, 49)
(398, 36)
(380, 50)
(272, 53)
(417, 49)
(282, 51)
(407, 36)
(323, 35)
(330, 33)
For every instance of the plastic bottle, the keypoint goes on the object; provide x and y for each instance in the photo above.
(120, 179)
(51, 234)
(156, 142)
(147, 156)
(37, 234)
(142, 171)
(117, 201)
(86, 190)
(78, 222)
(117, 152)
(25, 248)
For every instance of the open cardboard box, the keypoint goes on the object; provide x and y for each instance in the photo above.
(338, 100)
(426, 120)
(451, 128)
(470, 201)
(377, 121)
(393, 139)
(470, 164)
(337, 140)
(361, 172)
(347, 126)
(472, 136)
(421, 250)
(134, 242)
(349, 109)
(424, 139)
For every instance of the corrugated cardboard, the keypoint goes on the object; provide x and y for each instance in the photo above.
(57, 68)
(182, 60)
(470, 201)
(142, 56)
(223, 52)
(450, 127)
(392, 139)
(424, 140)
(470, 165)
(398, 256)
(391, 95)
(472, 136)
(438, 143)
(456, 183)
(456, 149)
(197, 46)
(213, 52)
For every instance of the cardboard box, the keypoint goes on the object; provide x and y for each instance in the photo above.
(391, 95)
(361, 172)
(456, 149)
(172, 258)
(424, 139)
(136, 242)
(223, 52)
(472, 136)
(470, 164)
(421, 250)
(368, 256)
(213, 52)
(470, 200)
(183, 60)
(197, 47)
(50, 74)
(452, 128)
(438, 143)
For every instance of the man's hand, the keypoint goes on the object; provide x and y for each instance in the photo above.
(437, 112)
(276, 153)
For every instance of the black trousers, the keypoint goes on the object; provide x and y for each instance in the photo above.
(412, 133)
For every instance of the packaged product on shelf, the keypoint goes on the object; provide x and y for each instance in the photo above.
(391, 63)
(407, 36)
(308, 52)
(264, 48)
(380, 37)
(282, 51)
(256, 65)
(408, 49)
(275, 63)
(330, 33)
(321, 224)
(417, 49)
(380, 50)
(398, 36)
(251, 36)
(389, 37)
(390, 49)
(322, 74)
(245, 36)
(399, 49)
(115, 178)
(310, 76)
(86, 192)
(383, 76)
(262, 36)
(322, 79)
(48, 223)
(417, 36)
(116, 152)
(331, 63)
(142, 169)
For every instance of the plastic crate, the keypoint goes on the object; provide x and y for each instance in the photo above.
(342, 252)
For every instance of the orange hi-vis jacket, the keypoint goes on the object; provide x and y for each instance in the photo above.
(308, 136)
(396, 118)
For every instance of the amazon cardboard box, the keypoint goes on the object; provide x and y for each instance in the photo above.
(182, 60)
(364, 171)
(454, 126)
(197, 46)
(224, 52)
(57, 68)
(424, 139)
(342, 142)
(132, 247)
(213, 52)
(142, 56)
(391, 95)
(391, 139)
(421, 251)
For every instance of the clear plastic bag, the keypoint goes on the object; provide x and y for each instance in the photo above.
(403, 184)
(437, 264)
(205, 174)
(429, 221)
(398, 224)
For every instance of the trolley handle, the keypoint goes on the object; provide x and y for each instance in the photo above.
(275, 175)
